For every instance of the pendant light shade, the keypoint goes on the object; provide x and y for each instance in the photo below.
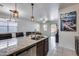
(32, 17)
(14, 13)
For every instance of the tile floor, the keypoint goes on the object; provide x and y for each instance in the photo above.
(60, 51)
(56, 50)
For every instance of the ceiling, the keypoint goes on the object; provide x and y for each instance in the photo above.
(64, 5)
(42, 11)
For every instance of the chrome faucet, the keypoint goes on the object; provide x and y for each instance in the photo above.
(35, 34)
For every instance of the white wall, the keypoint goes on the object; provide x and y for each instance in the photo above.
(67, 39)
(25, 25)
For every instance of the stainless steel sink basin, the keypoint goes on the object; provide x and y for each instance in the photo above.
(37, 38)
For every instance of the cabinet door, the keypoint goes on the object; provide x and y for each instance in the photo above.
(40, 48)
(33, 51)
(45, 47)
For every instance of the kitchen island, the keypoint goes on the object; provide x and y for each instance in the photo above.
(24, 46)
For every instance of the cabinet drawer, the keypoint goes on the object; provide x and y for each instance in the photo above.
(40, 51)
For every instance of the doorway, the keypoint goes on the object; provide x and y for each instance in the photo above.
(54, 37)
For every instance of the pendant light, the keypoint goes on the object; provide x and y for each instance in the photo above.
(14, 13)
(32, 17)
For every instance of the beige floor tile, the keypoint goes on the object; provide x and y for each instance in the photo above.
(74, 53)
(62, 52)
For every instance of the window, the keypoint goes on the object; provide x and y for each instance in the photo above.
(12, 26)
(7, 26)
(53, 28)
(45, 27)
(37, 27)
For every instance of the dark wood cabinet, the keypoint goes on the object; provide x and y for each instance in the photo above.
(42, 48)
(45, 47)
(39, 48)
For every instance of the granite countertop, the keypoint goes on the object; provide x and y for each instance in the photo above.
(77, 36)
(9, 46)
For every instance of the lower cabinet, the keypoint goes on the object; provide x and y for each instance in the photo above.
(42, 48)
(33, 51)
(45, 47)
(39, 48)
